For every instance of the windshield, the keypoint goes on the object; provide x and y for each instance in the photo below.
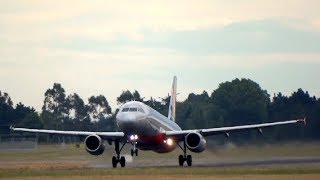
(133, 109)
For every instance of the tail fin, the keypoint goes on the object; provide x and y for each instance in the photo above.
(172, 105)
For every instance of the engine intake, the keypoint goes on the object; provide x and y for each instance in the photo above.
(195, 142)
(94, 145)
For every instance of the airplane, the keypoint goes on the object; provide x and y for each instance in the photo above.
(146, 129)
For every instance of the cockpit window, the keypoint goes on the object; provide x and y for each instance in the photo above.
(133, 109)
(140, 110)
(125, 109)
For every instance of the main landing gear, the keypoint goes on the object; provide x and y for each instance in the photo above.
(118, 159)
(184, 157)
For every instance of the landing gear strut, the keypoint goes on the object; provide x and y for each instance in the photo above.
(118, 159)
(134, 151)
(185, 157)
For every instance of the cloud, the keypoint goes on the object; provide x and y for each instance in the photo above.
(103, 47)
(105, 20)
(252, 37)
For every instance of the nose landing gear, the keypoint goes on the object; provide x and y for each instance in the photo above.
(134, 152)
(121, 159)
(133, 139)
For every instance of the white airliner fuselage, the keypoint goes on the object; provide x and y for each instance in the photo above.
(137, 119)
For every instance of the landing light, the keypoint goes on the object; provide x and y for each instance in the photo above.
(133, 137)
(169, 142)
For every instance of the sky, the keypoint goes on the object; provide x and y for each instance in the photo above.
(105, 47)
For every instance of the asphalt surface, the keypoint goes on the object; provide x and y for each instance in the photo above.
(217, 163)
(276, 161)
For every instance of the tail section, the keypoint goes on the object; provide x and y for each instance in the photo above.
(172, 105)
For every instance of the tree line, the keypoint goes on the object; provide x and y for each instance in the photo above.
(238, 102)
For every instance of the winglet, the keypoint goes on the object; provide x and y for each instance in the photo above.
(11, 128)
(304, 120)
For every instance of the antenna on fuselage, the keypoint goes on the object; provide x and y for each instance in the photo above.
(172, 105)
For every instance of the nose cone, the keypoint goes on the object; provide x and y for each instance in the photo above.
(128, 122)
(126, 118)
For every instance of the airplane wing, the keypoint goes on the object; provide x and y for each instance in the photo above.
(225, 130)
(104, 135)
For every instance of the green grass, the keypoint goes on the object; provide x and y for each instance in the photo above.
(149, 171)
(42, 154)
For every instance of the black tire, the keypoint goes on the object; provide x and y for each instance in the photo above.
(123, 161)
(132, 152)
(114, 161)
(189, 160)
(136, 152)
(181, 160)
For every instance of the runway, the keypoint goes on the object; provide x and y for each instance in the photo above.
(219, 163)
(276, 161)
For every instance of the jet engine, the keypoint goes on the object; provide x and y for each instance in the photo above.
(195, 142)
(94, 145)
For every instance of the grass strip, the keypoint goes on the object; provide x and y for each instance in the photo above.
(148, 171)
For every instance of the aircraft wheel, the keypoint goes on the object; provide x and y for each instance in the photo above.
(189, 160)
(123, 161)
(134, 152)
(181, 160)
(114, 161)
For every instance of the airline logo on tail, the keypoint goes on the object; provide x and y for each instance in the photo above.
(172, 106)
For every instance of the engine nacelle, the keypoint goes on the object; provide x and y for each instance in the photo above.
(94, 145)
(195, 142)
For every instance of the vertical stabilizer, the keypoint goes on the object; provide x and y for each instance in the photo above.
(172, 105)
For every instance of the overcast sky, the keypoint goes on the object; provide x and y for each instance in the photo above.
(105, 47)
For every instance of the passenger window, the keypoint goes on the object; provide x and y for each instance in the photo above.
(133, 109)
(125, 109)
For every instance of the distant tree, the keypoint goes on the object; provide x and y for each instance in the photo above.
(26, 117)
(136, 96)
(126, 96)
(6, 113)
(77, 111)
(54, 109)
(201, 98)
(299, 105)
(99, 107)
(241, 101)
(105, 124)
(55, 99)
(75, 107)
(196, 112)
(5, 99)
